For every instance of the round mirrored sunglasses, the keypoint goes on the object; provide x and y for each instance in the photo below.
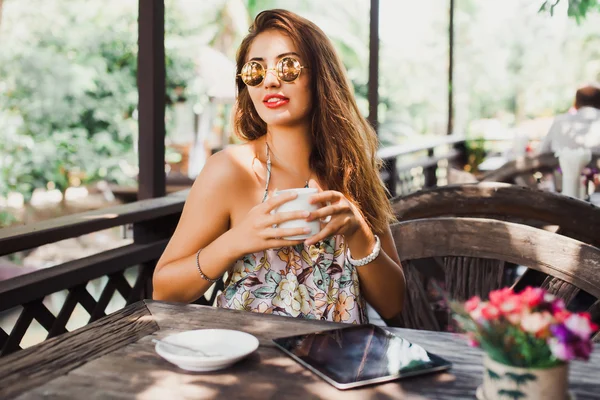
(288, 69)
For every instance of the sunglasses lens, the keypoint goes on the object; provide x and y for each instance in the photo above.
(252, 73)
(289, 69)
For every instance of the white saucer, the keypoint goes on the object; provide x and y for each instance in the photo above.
(223, 348)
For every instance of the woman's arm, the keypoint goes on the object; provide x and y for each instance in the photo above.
(204, 224)
(382, 281)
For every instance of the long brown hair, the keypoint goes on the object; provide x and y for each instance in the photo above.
(344, 154)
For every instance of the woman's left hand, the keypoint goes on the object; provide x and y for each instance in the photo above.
(345, 217)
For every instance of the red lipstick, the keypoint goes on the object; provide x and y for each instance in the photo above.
(275, 100)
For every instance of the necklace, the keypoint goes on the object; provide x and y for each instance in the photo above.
(269, 166)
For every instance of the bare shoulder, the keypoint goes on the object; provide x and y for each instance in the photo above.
(226, 171)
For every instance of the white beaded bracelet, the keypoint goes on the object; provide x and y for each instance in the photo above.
(370, 258)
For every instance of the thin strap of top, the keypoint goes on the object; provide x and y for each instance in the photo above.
(268, 172)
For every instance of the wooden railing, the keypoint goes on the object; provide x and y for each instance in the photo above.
(153, 223)
(408, 168)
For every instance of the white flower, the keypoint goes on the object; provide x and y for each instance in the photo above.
(292, 297)
(579, 325)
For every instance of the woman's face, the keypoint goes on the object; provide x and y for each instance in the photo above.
(278, 102)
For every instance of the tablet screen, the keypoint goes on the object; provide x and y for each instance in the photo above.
(360, 355)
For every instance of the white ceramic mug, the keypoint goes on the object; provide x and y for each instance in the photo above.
(300, 203)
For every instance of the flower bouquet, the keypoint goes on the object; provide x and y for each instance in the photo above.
(528, 339)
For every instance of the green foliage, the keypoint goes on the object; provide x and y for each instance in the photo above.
(577, 9)
(68, 71)
(6, 219)
(69, 91)
(476, 152)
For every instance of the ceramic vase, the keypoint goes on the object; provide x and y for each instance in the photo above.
(501, 382)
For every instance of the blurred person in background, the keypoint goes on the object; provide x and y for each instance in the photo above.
(579, 128)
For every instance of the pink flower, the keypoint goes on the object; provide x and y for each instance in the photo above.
(511, 305)
(532, 297)
(549, 297)
(497, 297)
(472, 303)
(472, 341)
(536, 323)
(490, 312)
(558, 305)
(561, 316)
(514, 318)
(580, 325)
(476, 313)
(511, 309)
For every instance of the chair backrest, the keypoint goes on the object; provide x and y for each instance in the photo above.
(521, 170)
(574, 218)
(573, 261)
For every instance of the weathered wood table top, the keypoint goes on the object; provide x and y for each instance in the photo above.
(114, 357)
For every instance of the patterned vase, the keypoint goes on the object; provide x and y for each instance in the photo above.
(502, 382)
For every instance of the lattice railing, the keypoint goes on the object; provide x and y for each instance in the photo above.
(26, 296)
(78, 294)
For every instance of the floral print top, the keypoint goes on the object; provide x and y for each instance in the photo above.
(314, 282)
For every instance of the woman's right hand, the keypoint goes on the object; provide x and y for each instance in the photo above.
(256, 232)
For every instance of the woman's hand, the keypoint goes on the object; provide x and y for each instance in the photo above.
(345, 220)
(256, 232)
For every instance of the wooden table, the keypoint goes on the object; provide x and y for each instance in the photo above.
(114, 357)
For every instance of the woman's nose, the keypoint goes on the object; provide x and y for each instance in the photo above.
(271, 79)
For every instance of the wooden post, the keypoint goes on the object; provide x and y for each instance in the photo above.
(151, 104)
(450, 128)
(430, 172)
(373, 94)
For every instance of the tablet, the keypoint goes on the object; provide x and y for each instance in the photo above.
(360, 355)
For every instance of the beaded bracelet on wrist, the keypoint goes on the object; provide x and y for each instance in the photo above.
(206, 278)
(368, 259)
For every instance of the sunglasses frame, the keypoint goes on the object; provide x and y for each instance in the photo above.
(278, 71)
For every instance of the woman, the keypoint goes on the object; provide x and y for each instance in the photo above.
(297, 114)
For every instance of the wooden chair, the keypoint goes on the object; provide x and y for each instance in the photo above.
(568, 216)
(464, 276)
(565, 258)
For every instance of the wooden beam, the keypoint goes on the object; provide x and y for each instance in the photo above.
(25, 237)
(26, 288)
(450, 128)
(152, 93)
(373, 89)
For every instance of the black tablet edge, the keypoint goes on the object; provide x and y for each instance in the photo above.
(344, 386)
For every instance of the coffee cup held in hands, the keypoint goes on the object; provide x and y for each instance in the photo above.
(300, 203)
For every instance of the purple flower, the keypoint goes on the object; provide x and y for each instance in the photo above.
(562, 333)
(567, 345)
(583, 349)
